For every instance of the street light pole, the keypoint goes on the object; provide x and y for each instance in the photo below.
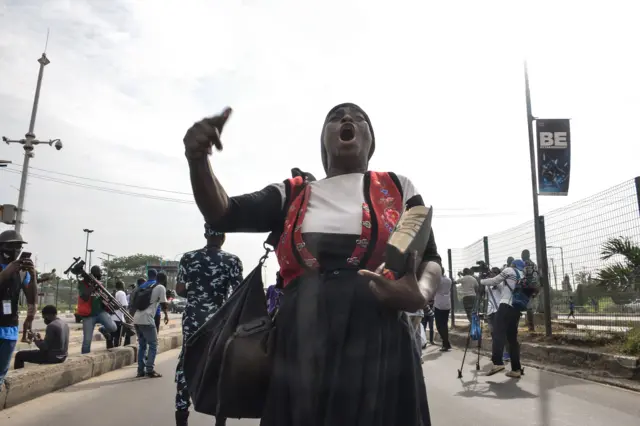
(29, 142)
(541, 252)
(90, 253)
(86, 248)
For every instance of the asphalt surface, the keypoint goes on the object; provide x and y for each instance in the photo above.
(539, 398)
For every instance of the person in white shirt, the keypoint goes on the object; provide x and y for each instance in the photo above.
(441, 309)
(505, 327)
(494, 294)
(468, 291)
(118, 318)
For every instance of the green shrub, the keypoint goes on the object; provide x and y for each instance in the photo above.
(631, 343)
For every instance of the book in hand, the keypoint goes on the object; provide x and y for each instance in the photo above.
(411, 234)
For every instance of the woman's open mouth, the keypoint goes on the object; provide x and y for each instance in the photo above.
(347, 132)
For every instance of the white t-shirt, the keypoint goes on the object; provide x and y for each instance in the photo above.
(146, 317)
(122, 298)
(494, 296)
(507, 276)
(335, 204)
(442, 301)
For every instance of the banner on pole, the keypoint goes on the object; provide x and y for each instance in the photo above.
(554, 156)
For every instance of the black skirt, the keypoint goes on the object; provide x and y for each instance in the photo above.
(342, 359)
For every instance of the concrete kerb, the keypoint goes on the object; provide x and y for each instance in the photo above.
(25, 385)
(612, 369)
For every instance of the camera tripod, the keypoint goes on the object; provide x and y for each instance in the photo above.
(475, 331)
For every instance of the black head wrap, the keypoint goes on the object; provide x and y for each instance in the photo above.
(366, 117)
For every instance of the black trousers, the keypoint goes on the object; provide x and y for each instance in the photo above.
(427, 320)
(442, 325)
(116, 337)
(35, 356)
(505, 329)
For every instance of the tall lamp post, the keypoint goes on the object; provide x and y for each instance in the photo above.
(29, 143)
(538, 221)
(90, 253)
(86, 247)
(561, 259)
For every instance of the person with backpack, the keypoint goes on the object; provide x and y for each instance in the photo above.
(514, 298)
(144, 303)
(341, 340)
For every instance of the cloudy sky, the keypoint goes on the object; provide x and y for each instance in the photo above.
(443, 85)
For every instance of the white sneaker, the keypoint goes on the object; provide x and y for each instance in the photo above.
(514, 374)
(495, 369)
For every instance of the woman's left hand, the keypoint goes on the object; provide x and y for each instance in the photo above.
(402, 294)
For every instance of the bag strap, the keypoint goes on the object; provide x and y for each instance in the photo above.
(493, 298)
(274, 237)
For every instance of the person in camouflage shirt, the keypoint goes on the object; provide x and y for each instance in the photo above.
(206, 277)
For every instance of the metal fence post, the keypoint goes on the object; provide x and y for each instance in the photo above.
(637, 179)
(453, 290)
(543, 268)
(485, 242)
(57, 289)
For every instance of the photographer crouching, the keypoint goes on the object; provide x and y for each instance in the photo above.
(17, 274)
(54, 348)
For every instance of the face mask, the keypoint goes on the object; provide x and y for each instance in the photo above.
(8, 255)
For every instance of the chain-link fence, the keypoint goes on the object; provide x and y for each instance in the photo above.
(593, 257)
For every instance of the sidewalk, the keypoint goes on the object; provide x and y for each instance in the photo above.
(30, 383)
(98, 344)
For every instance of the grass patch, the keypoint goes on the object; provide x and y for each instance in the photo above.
(631, 343)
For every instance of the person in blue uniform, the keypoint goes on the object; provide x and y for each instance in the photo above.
(206, 277)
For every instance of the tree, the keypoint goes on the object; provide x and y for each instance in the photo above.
(566, 284)
(134, 265)
(624, 274)
(583, 278)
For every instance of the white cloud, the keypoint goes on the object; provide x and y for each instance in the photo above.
(441, 82)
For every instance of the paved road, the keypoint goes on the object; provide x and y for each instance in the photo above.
(119, 399)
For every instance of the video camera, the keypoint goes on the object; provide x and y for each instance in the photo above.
(482, 269)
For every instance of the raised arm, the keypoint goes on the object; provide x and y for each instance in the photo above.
(498, 279)
(210, 196)
(221, 212)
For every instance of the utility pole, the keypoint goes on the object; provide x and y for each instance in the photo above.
(29, 142)
(106, 275)
(90, 253)
(86, 247)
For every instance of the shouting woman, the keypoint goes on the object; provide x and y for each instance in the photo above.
(344, 351)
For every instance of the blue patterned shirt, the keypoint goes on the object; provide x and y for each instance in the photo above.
(209, 275)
